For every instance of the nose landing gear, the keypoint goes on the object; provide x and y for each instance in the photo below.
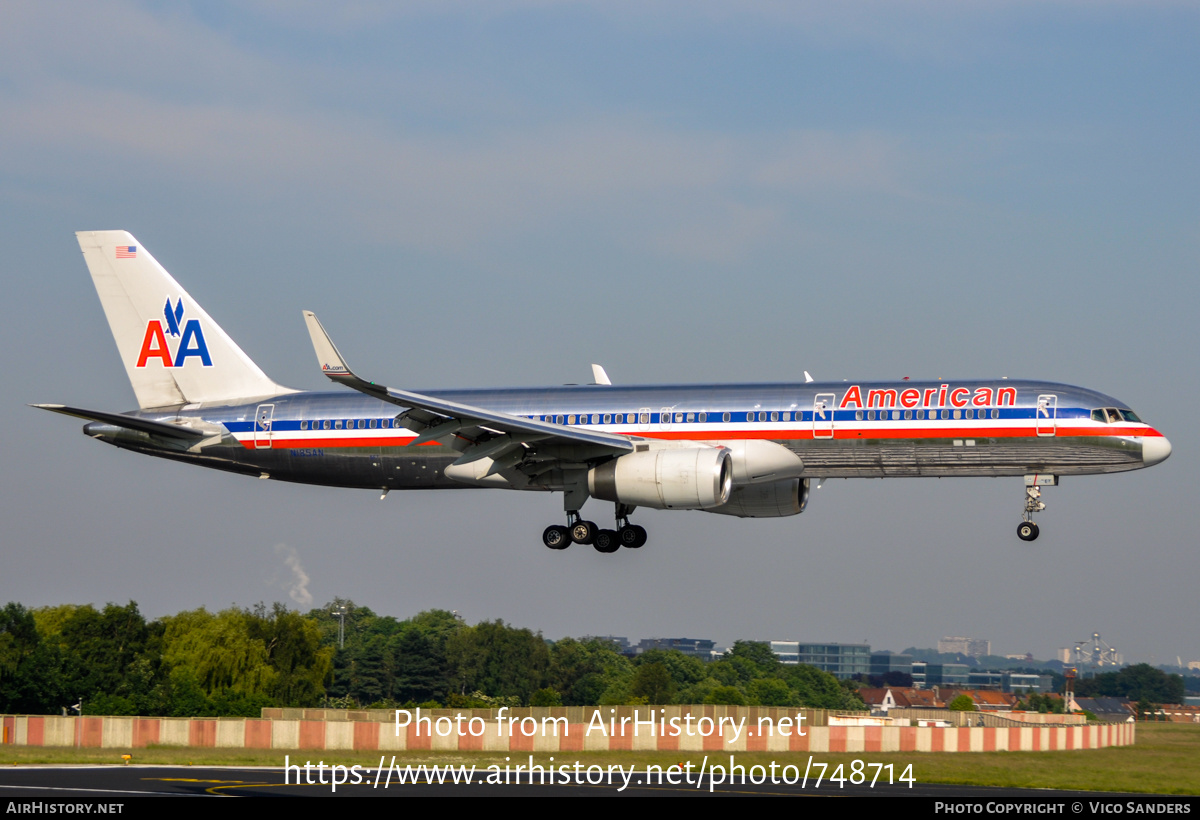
(1027, 530)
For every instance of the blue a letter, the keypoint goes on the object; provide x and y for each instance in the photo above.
(193, 333)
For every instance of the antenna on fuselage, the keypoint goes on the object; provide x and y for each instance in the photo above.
(599, 376)
(807, 377)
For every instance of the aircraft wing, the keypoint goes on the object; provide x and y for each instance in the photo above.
(487, 433)
(158, 428)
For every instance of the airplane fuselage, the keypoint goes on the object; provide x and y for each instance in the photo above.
(838, 429)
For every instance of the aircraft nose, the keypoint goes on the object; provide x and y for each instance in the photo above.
(1155, 449)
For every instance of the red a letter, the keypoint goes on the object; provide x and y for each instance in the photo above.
(154, 346)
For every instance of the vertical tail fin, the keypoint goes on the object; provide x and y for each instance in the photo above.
(174, 353)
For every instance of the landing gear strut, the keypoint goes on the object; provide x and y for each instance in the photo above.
(1027, 530)
(578, 531)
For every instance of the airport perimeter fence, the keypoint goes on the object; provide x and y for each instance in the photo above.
(699, 729)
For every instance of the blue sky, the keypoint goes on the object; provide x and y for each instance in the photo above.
(499, 194)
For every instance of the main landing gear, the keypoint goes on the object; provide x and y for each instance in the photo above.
(1027, 530)
(578, 531)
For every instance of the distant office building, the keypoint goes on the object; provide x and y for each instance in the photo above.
(986, 680)
(618, 643)
(945, 674)
(842, 660)
(884, 662)
(696, 647)
(918, 673)
(972, 647)
(1021, 683)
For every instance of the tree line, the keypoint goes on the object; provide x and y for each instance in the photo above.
(235, 662)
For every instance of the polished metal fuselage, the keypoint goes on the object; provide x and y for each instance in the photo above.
(838, 429)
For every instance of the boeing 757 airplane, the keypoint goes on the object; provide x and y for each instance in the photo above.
(750, 450)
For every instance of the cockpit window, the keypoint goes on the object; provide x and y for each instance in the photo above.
(1111, 415)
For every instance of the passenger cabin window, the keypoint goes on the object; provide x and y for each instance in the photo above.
(725, 417)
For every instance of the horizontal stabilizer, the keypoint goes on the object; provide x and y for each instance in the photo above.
(157, 428)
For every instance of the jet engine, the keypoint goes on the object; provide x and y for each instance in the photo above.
(774, 500)
(692, 478)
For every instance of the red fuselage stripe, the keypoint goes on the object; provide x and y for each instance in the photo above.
(286, 442)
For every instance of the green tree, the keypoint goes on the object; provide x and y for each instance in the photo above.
(818, 689)
(770, 692)
(498, 660)
(222, 651)
(301, 664)
(726, 696)
(30, 669)
(545, 697)
(758, 653)
(1139, 682)
(421, 670)
(962, 703)
(653, 682)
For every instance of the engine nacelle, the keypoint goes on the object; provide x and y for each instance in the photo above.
(756, 461)
(774, 500)
(692, 478)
